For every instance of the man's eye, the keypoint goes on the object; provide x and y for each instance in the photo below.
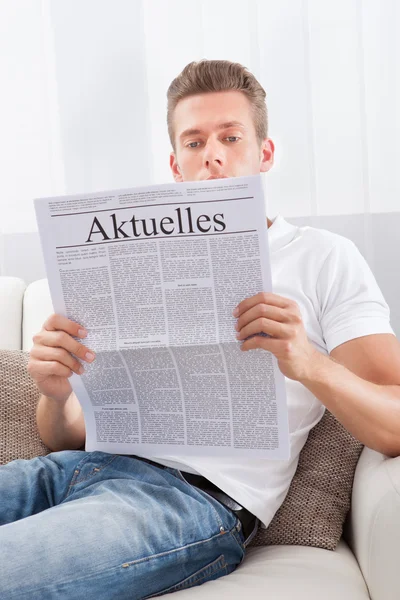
(231, 138)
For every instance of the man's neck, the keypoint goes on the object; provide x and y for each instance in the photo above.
(269, 223)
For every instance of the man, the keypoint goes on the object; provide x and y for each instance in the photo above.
(95, 525)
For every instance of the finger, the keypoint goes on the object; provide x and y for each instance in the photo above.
(261, 298)
(61, 339)
(59, 323)
(40, 369)
(262, 310)
(45, 353)
(262, 325)
(268, 344)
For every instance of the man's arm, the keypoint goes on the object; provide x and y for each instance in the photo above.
(61, 424)
(363, 392)
(359, 383)
(54, 357)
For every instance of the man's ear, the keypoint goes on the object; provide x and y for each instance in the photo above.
(176, 172)
(267, 155)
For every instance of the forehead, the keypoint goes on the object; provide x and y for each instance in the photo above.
(208, 111)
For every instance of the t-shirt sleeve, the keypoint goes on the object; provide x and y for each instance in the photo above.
(350, 300)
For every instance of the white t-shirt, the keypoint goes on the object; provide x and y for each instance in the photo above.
(339, 300)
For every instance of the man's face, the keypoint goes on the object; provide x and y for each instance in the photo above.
(215, 137)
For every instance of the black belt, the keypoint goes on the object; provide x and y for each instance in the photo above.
(247, 519)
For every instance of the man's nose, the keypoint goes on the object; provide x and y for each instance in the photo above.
(213, 155)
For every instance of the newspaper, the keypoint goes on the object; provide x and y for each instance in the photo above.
(153, 273)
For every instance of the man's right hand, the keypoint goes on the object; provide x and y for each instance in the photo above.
(53, 357)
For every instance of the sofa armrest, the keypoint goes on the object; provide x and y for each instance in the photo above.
(37, 309)
(11, 297)
(374, 523)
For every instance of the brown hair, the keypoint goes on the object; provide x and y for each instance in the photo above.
(217, 76)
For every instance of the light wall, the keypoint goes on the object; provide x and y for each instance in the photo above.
(84, 85)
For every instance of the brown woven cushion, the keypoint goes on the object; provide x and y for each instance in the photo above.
(19, 437)
(313, 511)
(315, 508)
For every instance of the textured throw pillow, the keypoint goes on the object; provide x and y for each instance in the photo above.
(318, 500)
(19, 437)
(315, 508)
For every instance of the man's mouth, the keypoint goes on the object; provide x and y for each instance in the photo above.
(217, 177)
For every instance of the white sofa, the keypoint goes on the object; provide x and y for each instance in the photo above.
(365, 564)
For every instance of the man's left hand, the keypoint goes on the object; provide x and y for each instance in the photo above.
(281, 319)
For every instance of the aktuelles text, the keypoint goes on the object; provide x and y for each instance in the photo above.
(181, 223)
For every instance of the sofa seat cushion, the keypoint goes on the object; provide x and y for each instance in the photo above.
(287, 573)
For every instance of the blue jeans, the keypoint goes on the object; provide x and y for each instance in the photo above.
(93, 525)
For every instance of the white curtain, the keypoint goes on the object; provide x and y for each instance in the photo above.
(83, 102)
